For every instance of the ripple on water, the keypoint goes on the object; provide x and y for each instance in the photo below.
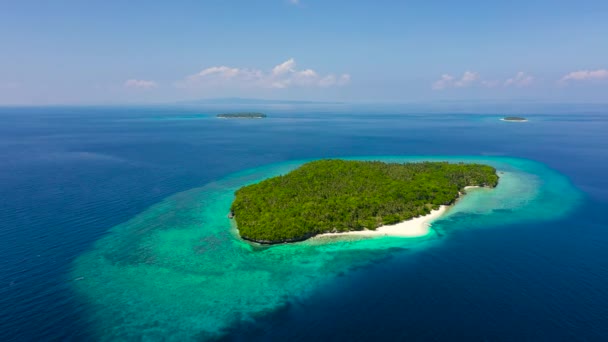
(178, 270)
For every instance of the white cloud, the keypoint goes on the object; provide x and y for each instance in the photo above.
(294, 2)
(521, 79)
(467, 79)
(471, 78)
(140, 84)
(222, 70)
(449, 81)
(445, 81)
(285, 67)
(585, 75)
(283, 75)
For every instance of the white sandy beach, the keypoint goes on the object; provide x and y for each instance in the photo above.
(415, 227)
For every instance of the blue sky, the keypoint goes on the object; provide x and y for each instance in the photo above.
(111, 52)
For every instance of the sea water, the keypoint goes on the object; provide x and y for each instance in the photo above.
(114, 227)
(179, 270)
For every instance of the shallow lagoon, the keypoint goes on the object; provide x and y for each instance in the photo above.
(179, 271)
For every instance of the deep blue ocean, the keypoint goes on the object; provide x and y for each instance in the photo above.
(70, 174)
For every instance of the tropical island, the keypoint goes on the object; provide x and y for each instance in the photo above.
(241, 116)
(337, 196)
(514, 119)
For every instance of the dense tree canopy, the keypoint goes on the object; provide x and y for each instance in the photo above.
(337, 195)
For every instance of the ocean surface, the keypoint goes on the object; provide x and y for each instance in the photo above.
(113, 227)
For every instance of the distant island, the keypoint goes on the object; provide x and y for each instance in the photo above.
(242, 116)
(514, 118)
(336, 196)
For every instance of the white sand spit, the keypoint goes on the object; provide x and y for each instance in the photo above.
(418, 226)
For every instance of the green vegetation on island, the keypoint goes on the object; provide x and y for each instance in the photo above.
(514, 118)
(241, 116)
(337, 196)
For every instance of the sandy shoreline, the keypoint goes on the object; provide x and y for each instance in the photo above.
(418, 226)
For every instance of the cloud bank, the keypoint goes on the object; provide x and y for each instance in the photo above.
(471, 78)
(585, 75)
(284, 75)
(449, 81)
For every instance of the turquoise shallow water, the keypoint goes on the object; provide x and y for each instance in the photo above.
(178, 270)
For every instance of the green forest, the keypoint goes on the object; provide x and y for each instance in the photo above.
(338, 195)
